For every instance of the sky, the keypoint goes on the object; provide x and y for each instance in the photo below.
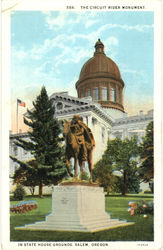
(50, 48)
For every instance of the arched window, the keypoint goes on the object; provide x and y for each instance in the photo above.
(119, 95)
(59, 105)
(96, 94)
(104, 94)
(112, 94)
(88, 92)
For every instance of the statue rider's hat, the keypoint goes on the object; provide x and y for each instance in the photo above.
(76, 117)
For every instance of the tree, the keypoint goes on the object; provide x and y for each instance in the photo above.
(102, 173)
(19, 193)
(146, 155)
(26, 174)
(45, 141)
(121, 156)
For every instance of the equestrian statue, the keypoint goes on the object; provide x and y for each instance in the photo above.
(79, 145)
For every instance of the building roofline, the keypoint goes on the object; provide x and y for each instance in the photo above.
(132, 119)
(86, 105)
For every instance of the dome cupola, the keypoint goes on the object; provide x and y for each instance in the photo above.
(100, 78)
(99, 47)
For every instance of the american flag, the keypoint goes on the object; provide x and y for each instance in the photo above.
(20, 103)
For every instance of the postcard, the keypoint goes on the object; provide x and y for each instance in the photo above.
(81, 125)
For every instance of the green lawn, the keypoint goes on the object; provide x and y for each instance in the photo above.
(117, 206)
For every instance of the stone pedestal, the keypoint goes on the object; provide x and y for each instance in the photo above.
(77, 208)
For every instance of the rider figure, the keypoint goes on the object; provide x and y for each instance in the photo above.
(79, 129)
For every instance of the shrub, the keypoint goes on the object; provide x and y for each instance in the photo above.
(84, 176)
(147, 192)
(140, 207)
(19, 193)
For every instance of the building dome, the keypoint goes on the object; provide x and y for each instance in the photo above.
(100, 78)
(99, 65)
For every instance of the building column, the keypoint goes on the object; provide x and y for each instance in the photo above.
(109, 90)
(84, 120)
(92, 89)
(89, 119)
(100, 93)
(122, 97)
(116, 94)
(125, 134)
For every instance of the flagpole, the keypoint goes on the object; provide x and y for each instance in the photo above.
(19, 102)
(17, 116)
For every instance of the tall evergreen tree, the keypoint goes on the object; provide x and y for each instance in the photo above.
(146, 153)
(45, 141)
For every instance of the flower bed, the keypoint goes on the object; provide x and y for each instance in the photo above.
(140, 207)
(23, 206)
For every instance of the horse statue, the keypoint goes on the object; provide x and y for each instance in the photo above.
(79, 145)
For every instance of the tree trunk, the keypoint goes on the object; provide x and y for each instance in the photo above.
(125, 183)
(40, 189)
(32, 190)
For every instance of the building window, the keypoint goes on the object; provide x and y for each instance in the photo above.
(104, 94)
(109, 134)
(103, 134)
(94, 121)
(112, 94)
(59, 105)
(119, 95)
(96, 94)
(88, 92)
(87, 120)
(15, 149)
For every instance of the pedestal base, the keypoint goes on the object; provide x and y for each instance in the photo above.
(77, 208)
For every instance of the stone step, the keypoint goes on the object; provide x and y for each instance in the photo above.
(76, 219)
(93, 228)
(81, 221)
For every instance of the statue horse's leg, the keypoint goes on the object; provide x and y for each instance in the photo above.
(68, 165)
(90, 163)
(81, 164)
(75, 167)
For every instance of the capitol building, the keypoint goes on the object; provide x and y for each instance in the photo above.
(100, 102)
